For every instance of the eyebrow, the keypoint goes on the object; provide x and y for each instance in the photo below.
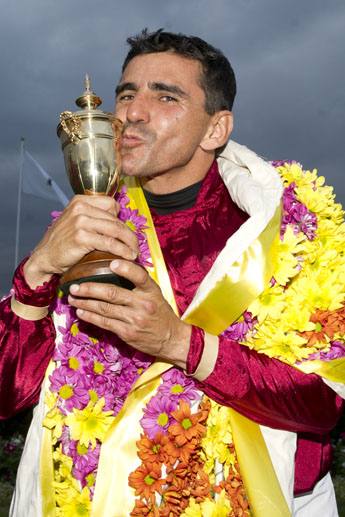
(125, 86)
(155, 86)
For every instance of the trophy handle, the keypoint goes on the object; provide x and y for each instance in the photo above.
(71, 125)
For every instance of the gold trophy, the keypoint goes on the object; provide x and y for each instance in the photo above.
(90, 140)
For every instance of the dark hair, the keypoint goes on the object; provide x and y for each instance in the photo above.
(218, 78)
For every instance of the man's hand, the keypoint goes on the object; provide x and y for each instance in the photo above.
(88, 223)
(142, 318)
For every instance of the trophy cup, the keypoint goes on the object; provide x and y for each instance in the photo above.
(90, 142)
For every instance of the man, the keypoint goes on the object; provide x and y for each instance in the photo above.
(175, 99)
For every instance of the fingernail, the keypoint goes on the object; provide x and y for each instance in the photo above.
(80, 312)
(134, 255)
(114, 264)
(74, 288)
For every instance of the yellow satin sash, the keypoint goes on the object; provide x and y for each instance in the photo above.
(244, 280)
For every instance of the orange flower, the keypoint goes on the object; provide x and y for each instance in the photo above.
(174, 452)
(327, 323)
(146, 480)
(143, 510)
(187, 425)
(233, 486)
(153, 451)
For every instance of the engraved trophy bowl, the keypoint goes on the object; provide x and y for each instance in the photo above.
(90, 140)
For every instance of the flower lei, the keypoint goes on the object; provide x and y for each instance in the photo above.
(90, 382)
(188, 462)
(301, 314)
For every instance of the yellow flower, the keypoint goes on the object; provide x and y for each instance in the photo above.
(298, 318)
(270, 302)
(91, 423)
(221, 507)
(323, 290)
(192, 510)
(54, 420)
(285, 255)
(274, 342)
(76, 504)
(215, 444)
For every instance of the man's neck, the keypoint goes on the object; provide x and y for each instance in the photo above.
(177, 179)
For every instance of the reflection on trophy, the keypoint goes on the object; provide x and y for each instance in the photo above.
(90, 143)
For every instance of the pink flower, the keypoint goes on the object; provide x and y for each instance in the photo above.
(238, 331)
(297, 215)
(177, 386)
(70, 387)
(157, 415)
(122, 198)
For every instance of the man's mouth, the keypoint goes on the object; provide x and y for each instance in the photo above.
(129, 140)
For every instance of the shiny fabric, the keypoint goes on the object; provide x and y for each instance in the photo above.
(25, 347)
(266, 390)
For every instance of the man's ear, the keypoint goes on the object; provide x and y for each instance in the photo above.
(218, 131)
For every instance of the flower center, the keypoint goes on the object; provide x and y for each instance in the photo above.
(81, 449)
(98, 367)
(73, 363)
(177, 388)
(149, 480)
(156, 448)
(66, 391)
(93, 395)
(318, 326)
(91, 423)
(90, 479)
(81, 509)
(186, 423)
(162, 419)
(74, 329)
(131, 226)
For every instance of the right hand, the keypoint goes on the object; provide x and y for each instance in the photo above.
(88, 223)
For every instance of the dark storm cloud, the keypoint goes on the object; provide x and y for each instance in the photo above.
(288, 57)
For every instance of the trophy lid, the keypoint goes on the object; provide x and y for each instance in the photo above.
(88, 100)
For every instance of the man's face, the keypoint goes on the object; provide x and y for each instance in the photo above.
(162, 105)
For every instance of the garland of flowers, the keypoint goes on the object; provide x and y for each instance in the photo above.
(188, 462)
(301, 314)
(90, 382)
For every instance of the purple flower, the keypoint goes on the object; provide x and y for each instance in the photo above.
(336, 351)
(55, 214)
(279, 163)
(157, 415)
(70, 387)
(85, 459)
(296, 214)
(122, 198)
(177, 386)
(238, 331)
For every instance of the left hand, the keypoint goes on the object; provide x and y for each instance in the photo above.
(141, 317)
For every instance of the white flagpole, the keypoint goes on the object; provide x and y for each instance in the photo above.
(19, 201)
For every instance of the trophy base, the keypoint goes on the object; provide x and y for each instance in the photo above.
(94, 267)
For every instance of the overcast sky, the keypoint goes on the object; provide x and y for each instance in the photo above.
(288, 57)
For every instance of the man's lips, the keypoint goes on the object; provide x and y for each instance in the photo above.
(129, 140)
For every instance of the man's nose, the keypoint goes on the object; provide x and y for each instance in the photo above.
(138, 110)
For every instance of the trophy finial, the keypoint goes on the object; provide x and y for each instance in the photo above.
(89, 100)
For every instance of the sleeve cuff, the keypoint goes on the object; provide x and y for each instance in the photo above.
(202, 355)
(42, 296)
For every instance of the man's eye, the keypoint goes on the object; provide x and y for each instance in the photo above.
(125, 97)
(167, 98)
